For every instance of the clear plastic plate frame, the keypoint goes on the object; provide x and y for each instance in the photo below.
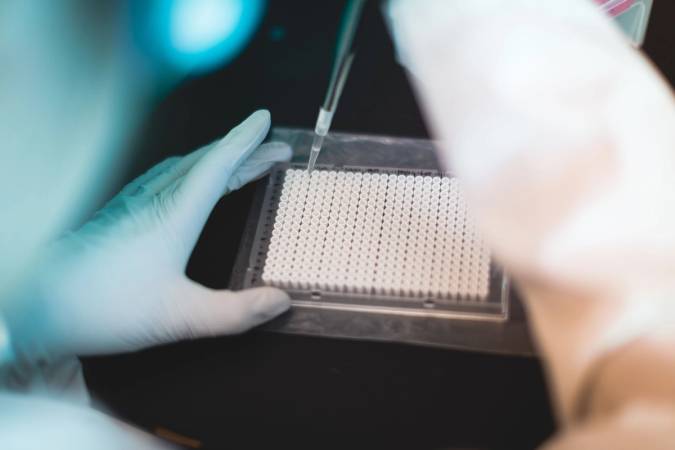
(364, 154)
(494, 324)
(493, 306)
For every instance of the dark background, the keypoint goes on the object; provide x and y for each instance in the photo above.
(261, 389)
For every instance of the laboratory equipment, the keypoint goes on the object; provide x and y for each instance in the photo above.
(341, 66)
(394, 236)
(372, 238)
(339, 242)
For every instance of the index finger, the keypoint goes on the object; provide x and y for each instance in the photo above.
(202, 186)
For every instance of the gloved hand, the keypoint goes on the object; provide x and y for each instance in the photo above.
(118, 284)
(563, 136)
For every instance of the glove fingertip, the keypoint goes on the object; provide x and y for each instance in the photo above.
(259, 164)
(277, 146)
(263, 114)
(274, 151)
(253, 307)
(259, 119)
(268, 301)
(285, 152)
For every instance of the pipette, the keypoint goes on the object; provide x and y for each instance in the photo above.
(343, 62)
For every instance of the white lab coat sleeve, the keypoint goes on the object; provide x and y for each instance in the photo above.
(38, 423)
(564, 138)
(46, 406)
(62, 378)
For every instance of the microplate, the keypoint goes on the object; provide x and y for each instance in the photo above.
(375, 239)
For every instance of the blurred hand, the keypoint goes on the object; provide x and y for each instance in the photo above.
(563, 136)
(118, 284)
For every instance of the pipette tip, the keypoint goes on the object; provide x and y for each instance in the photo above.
(312, 160)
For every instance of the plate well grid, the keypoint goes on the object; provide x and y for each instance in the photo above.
(379, 239)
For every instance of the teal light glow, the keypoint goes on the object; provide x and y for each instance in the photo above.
(196, 35)
(200, 25)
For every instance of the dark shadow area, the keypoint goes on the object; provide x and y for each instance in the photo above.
(279, 391)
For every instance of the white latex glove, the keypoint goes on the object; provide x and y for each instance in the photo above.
(118, 284)
(564, 137)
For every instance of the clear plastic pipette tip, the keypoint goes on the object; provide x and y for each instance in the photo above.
(314, 153)
(312, 160)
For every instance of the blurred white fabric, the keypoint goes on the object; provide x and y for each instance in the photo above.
(564, 136)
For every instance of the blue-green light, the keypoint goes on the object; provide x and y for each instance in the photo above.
(196, 35)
